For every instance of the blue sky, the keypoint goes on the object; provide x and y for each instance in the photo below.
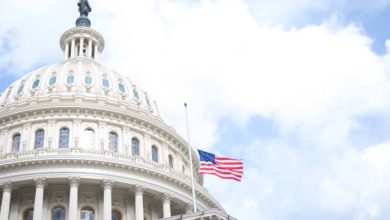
(298, 89)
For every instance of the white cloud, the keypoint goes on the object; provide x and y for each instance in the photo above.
(313, 82)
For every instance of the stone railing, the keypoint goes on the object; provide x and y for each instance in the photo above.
(98, 155)
(212, 214)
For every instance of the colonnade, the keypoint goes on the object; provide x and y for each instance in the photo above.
(74, 182)
(75, 48)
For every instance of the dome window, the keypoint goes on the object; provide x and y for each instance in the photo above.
(154, 153)
(28, 214)
(36, 84)
(106, 83)
(70, 79)
(64, 138)
(134, 146)
(20, 89)
(88, 80)
(113, 142)
(135, 94)
(39, 139)
(116, 215)
(147, 101)
(170, 161)
(121, 88)
(87, 214)
(52, 81)
(15, 142)
(58, 213)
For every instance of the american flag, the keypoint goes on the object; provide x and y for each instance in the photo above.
(223, 167)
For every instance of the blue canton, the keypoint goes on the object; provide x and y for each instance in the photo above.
(206, 156)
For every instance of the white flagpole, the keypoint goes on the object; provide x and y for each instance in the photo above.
(190, 155)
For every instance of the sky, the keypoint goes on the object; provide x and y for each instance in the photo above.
(298, 89)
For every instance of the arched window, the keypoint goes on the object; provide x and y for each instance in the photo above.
(88, 80)
(70, 79)
(116, 215)
(106, 83)
(87, 214)
(170, 161)
(64, 138)
(58, 213)
(147, 101)
(35, 84)
(121, 88)
(134, 146)
(154, 154)
(113, 142)
(52, 81)
(28, 214)
(89, 138)
(135, 94)
(39, 139)
(16, 142)
(20, 90)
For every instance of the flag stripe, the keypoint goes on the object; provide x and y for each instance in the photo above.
(238, 174)
(240, 169)
(223, 166)
(231, 177)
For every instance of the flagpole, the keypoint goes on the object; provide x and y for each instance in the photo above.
(190, 155)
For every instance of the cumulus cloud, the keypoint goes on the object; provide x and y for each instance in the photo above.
(225, 58)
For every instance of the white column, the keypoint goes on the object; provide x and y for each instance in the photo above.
(6, 202)
(107, 184)
(89, 48)
(139, 203)
(73, 197)
(166, 206)
(66, 54)
(96, 51)
(73, 48)
(81, 47)
(38, 204)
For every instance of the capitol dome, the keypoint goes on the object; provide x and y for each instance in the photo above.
(81, 142)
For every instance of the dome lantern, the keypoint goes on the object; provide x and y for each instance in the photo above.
(82, 41)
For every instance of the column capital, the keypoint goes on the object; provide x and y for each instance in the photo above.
(139, 189)
(166, 197)
(40, 182)
(7, 186)
(74, 181)
(107, 184)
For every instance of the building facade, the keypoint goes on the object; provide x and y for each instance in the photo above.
(81, 142)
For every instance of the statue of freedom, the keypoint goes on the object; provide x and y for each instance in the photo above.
(84, 7)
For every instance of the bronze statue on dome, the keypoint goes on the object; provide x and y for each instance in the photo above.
(84, 7)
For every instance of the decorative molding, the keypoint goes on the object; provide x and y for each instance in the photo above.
(74, 181)
(108, 184)
(7, 186)
(40, 182)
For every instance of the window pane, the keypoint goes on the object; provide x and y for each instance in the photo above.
(106, 83)
(116, 215)
(170, 160)
(53, 80)
(58, 213)
(135, 94)
(28, 215)
(64, 138)
(20, 90)
(87, 214)
(39, 138)
(35, 84)
(134, 146)
(16, 142)
(154, 154)
(121, 87)
(147, 101)
(113, 142)
(70, 79)
(88, 80)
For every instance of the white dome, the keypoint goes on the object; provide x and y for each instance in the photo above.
(79, 79)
